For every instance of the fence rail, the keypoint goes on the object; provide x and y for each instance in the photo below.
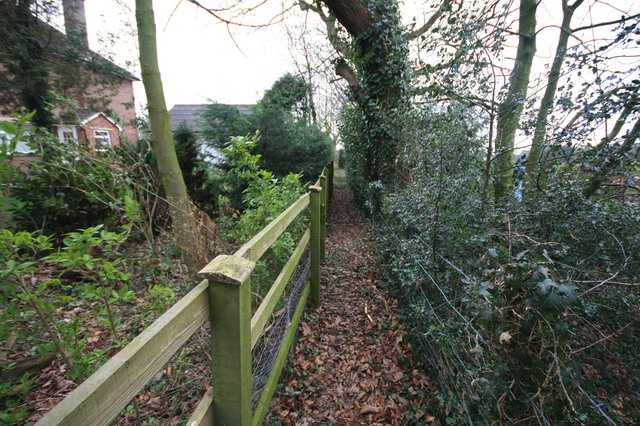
(224, 297)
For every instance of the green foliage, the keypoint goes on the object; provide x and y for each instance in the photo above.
(194, 170)
(12, 410)
(31, 305)
(162, 298)
(76, 187)
(221, 122)
(290, 93)
(265, 198)
(288, 142)
(15, 134)
(509, 306)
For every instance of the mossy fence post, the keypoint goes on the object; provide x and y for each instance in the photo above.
(331, 170)
(314, 206)
(230, 313)
(323, 214)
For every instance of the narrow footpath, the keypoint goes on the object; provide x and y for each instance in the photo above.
(351, 363)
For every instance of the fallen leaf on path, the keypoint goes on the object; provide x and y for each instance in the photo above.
(367, 409)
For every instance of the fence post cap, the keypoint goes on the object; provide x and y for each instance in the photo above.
(228, 269)
(315, 188)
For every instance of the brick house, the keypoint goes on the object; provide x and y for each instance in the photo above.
(102, 94)
(94, 129)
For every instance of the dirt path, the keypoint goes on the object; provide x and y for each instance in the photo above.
(351, 364)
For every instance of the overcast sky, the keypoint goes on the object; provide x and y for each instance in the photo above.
(199, 59)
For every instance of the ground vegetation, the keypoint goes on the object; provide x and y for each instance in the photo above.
(515, 274)
(85, 264)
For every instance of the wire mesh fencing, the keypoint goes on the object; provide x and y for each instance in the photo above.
(267, 349)
(465, 356)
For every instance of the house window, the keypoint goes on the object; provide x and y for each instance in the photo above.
(67, 134)
(103, 139)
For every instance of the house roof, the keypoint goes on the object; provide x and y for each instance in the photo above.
(189, 114)
(87, 115)
(84, 116)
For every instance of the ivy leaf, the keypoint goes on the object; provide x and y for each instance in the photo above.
(539, 276)
(561, 297)
(484, 289)
(545, 286)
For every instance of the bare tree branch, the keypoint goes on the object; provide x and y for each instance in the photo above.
(602, 24)
(216, 14)
(332, 30)
(446, 4)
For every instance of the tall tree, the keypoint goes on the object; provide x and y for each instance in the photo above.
(378, 85)
(381, 48)
(184, 223)
(377, 71)
(546, 105)
(510, 109)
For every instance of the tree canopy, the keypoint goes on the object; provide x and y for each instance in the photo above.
(289, 142)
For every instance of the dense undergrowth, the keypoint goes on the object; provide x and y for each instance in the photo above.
(518, 273)
(523, 313)
(87, 262)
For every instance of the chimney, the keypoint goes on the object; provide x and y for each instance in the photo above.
(75, 22)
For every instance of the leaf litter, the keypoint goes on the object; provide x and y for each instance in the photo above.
(352, 363)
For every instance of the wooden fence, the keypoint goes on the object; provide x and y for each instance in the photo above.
(223, 297)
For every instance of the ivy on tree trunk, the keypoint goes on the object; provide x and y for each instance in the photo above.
(381, 80)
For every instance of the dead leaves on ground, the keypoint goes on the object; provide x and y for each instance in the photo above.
(352, 364)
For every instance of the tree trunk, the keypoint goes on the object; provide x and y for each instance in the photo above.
(352, 14)
(510, 109)
(546, 106)
(380, 86)
(184, 224)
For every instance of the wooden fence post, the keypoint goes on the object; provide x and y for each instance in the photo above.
(314, 206)
(230, 313)
(323, 215)
(330, 178)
